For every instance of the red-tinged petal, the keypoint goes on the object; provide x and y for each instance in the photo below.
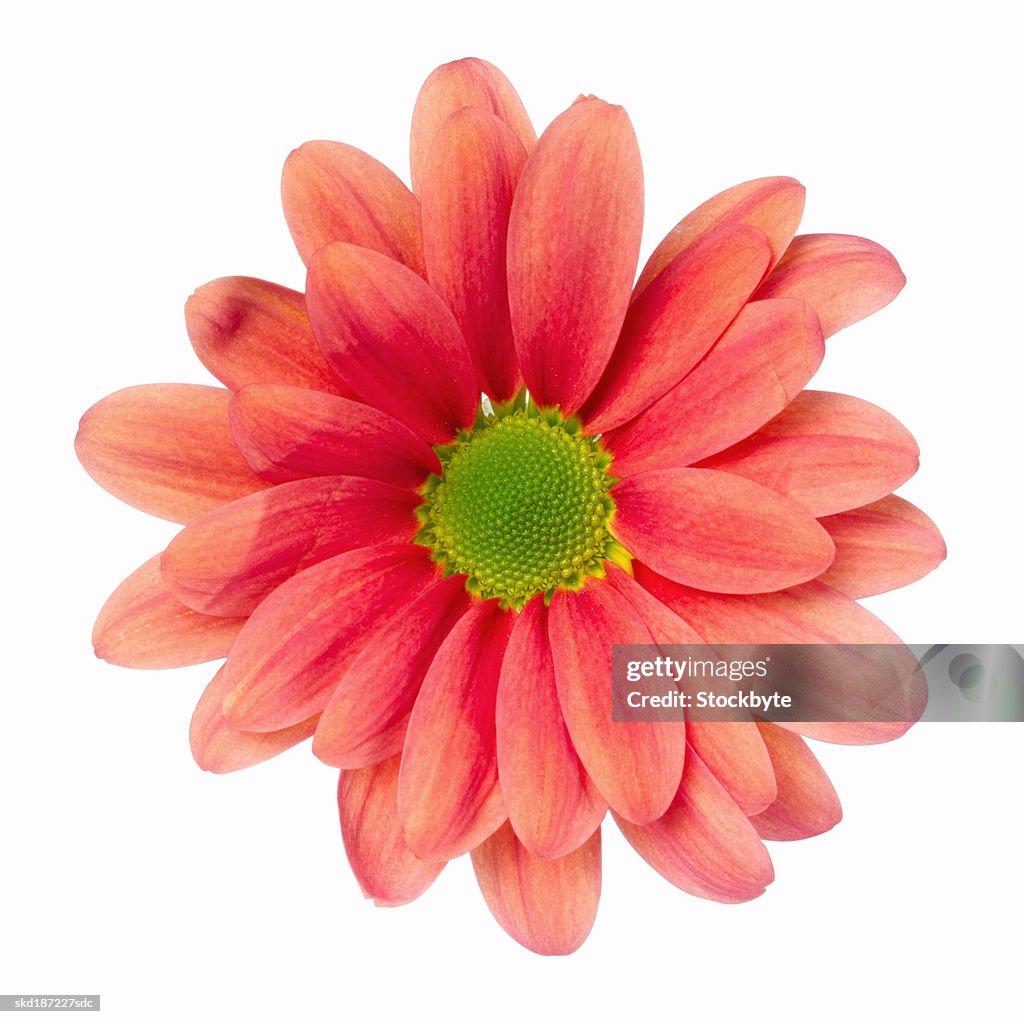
(828, 452)
(704, 843)
(143, 625)
(807, 804)
(166, 449)
(292, 651)
(772, 205)
(247, 331)
(573, 241)
(285, 433)
(735, 754)
(843, 277)
(677, 319)
(754, 371)
(386, 869)
(469, 179)
(548, 906)
(227, 561)
(697, 527)
(664, 625)
(366, 720)
(218, 747)
(635, 765)
(448, 796)
(337, 193)
(390, 337)
(469, 82)
(551, 802)
(881, 546)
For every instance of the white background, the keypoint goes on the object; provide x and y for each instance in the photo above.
(142, 152)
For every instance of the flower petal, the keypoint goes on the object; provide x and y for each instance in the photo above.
(389, 336)
(881, 546)
(677, 319)
(469, 82)
(548, 906)
(697, 527)
(754, 371)
(449, 805)
(735, 754)
(807, 804)
(843, 277)
(365, 721)
(635, 765)
(227, 561)
(166, 449)
(337, 193)
(247, 331)
(772, 205)
(291, 652)
(387, 870)
(704, 843)
(218, 747)
(285, 433)
(143, 625)
(573, 240)
(826, 451)
(468, 182)
(552, 804)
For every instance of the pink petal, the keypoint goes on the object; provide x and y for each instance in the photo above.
(551, 802)
(635, 765)
(697, 527)
(463, 83)
(227, 561)
(735, 754)
(548, 906)
(448, 796)
(387, 870)
(573, 241)
(337, 193)
(469, 179)
(755, 370)
(828, 452)
(843, 277)
(676, 320)
(143, 625)
(389, 336)
(881, 546)
(166, 449)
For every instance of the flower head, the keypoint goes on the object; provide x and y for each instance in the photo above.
(477, 451)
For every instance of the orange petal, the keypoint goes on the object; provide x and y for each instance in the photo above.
(217, 747)
(772, 205)
(469, 179)
(469, 82)
(143, 625)
(449, 803)
(337, 193)
(843, 277)
(548, 906)
(227, 561)
(247, 331)
(677, 319)
(573, 241)
(735, 754)
(881, 546)
(166, 449)
(552, 804)
(827, 452)
(807, 804)
(704, 843)
(389, 336)
(754, 371)
(387, 870)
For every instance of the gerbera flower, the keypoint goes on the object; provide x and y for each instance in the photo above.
(475, 453)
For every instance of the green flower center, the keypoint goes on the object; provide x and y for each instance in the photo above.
(522, 505)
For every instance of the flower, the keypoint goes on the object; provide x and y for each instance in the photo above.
(428, 582)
